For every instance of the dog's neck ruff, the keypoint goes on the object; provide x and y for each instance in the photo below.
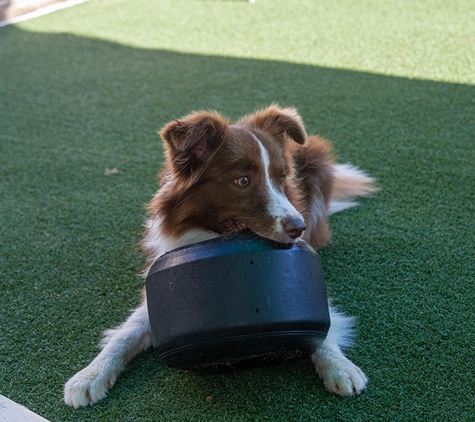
(158, 243)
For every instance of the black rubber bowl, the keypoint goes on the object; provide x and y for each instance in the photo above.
(236, 299)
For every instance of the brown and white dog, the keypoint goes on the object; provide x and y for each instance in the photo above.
(262, 174)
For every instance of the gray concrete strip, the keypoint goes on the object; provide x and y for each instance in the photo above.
(14, 412)
(15, 11)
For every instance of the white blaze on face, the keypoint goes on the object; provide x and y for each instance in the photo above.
(279, 205)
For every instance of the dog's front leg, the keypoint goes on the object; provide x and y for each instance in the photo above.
(339, 374)
(119, 346)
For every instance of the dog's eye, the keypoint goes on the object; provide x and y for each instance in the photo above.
(282, 178)
(242, 182)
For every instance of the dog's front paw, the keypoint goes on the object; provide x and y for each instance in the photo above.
(88, 386)
(341, 377)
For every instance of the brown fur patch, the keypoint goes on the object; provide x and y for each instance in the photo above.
(314, 173)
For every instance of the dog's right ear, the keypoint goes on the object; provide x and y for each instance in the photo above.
(281, 123)
(191, 140)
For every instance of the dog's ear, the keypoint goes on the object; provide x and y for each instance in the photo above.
(189, 141)
(281, 123)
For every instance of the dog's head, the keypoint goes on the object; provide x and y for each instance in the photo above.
(228, 177)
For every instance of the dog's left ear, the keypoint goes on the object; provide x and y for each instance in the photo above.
(281, 123)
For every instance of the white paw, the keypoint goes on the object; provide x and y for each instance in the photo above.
(342, 377)
(88, 386)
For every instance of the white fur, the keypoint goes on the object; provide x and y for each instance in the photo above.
(362, 185)
(339, 374)
(354, 173)
(358, 183)
(159, 243)
(279, 205)
(338, 206)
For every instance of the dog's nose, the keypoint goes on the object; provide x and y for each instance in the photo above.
(293, 226)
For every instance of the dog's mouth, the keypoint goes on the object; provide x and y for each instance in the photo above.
(233, 225)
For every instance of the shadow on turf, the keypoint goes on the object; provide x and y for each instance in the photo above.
(95, 98)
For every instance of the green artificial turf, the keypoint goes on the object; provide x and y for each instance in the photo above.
(86, 88)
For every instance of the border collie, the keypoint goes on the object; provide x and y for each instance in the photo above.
(261, 174)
